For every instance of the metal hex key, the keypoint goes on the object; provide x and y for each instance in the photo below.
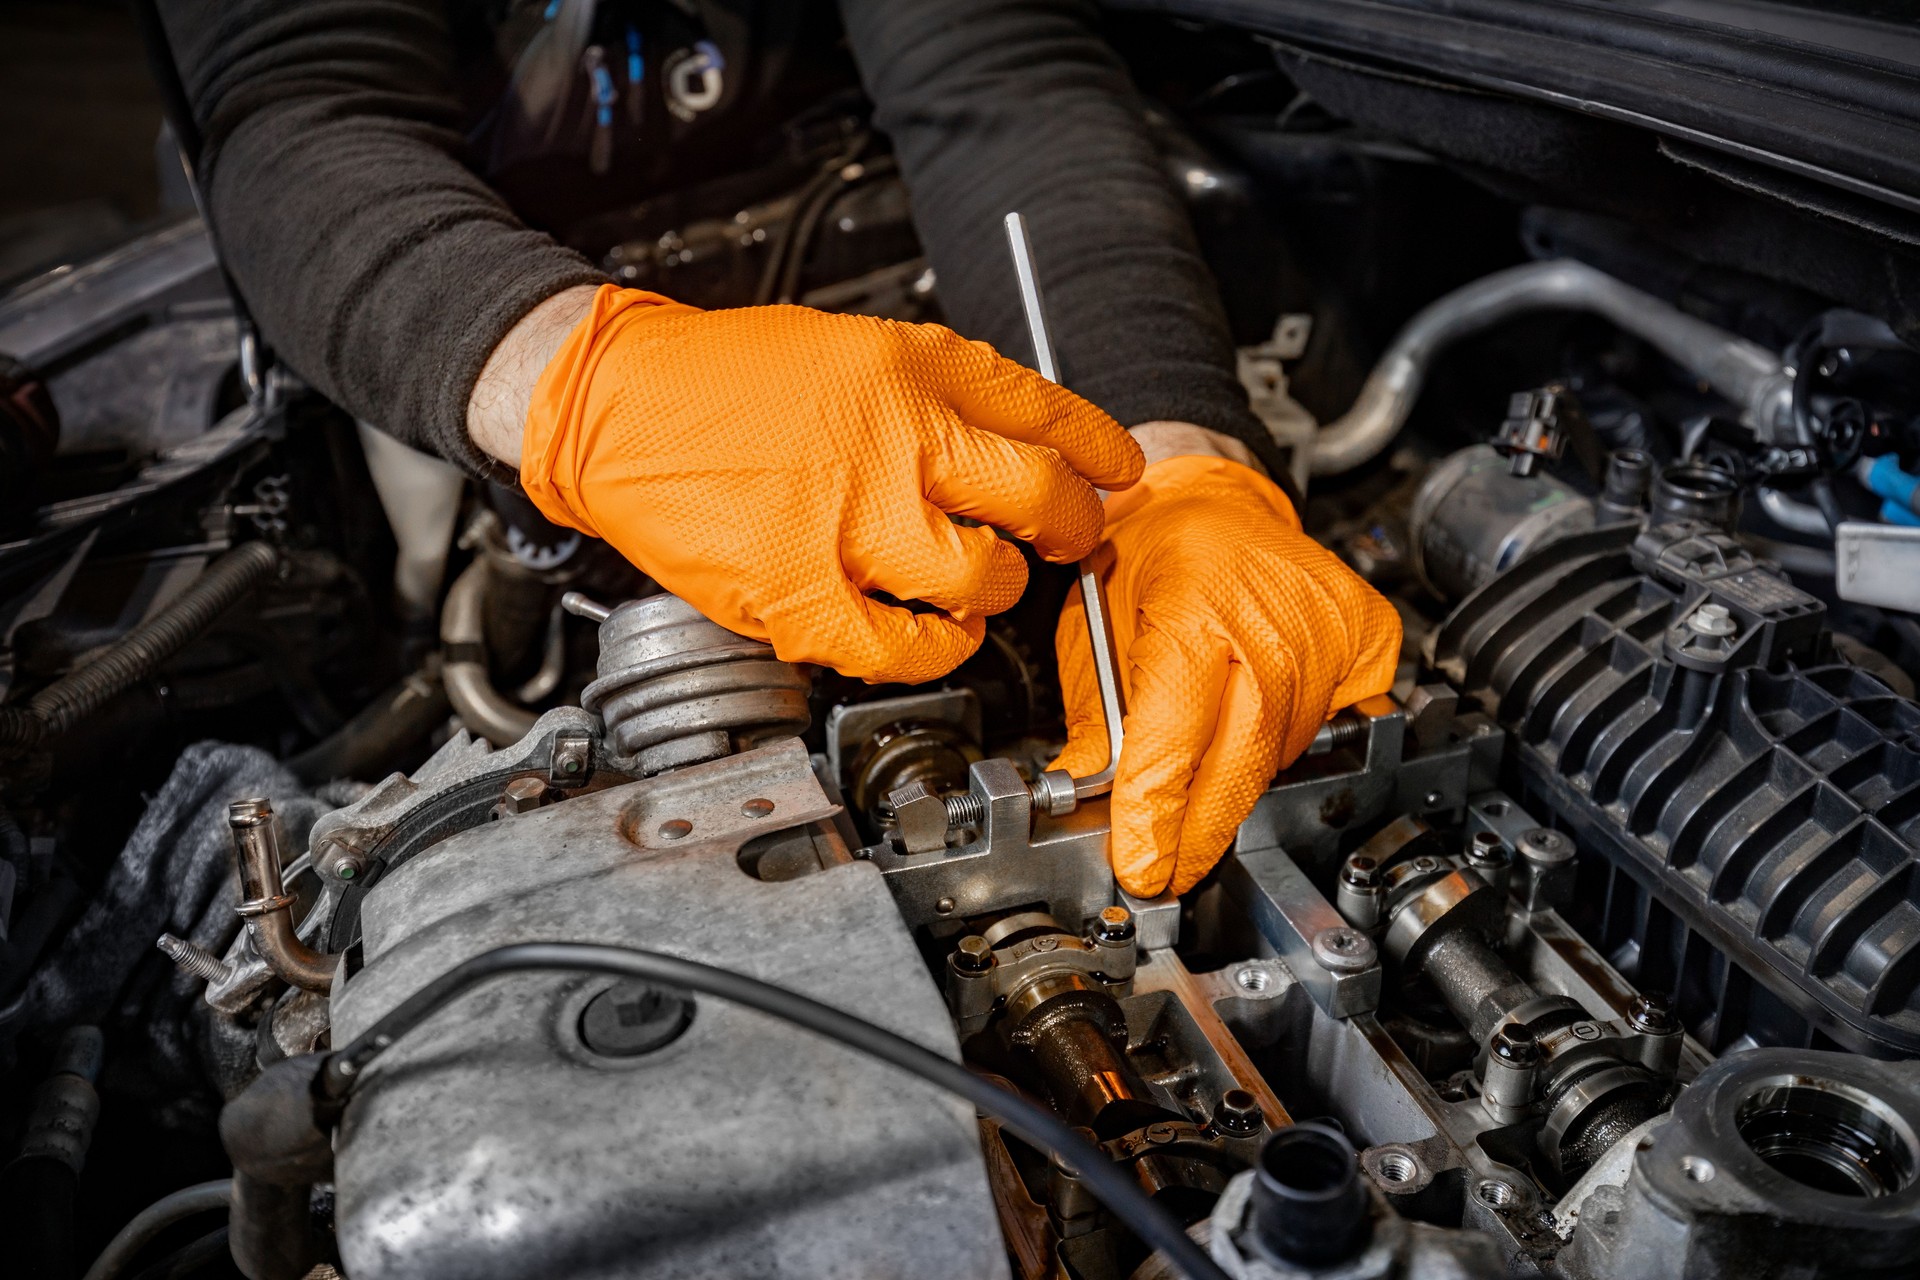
(1055, 791)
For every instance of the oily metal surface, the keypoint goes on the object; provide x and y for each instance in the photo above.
(493, 1143)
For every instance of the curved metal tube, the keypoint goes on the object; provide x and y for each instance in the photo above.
(482, 708)
(1798, 517)
(1746, 373)
(268, 907)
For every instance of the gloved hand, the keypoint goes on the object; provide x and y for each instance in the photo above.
(1238, 636)
(773, 465)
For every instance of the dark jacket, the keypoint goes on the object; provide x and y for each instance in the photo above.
(343, 146)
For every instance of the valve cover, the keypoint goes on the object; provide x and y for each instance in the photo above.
(495, 1143)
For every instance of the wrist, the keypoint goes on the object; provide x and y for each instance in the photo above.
(497, 406)
(1162, 440)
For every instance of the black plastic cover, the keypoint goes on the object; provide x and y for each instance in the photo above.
(1757, 802)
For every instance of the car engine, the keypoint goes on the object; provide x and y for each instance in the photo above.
(343, 800)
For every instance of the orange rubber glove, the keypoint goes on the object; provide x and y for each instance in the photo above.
(1238, 637)
(773, 465)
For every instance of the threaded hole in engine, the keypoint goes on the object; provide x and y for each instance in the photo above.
(1828, 1136)
(1252, 979)
(1496, 1193)
(1396, 1166)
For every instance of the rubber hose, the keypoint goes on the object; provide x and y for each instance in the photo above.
(138, 654)
(203, 1197)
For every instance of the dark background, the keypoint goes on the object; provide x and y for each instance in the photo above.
(79, 123)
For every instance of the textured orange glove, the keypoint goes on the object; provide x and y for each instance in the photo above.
(1238, 636)
(773, 465)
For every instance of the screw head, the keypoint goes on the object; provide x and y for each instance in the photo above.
(973, 955)
(675, 829)
(1115, 925)
(1545, 847)
(944, 907)
(757, 808)
(1343, 950)
(1238, 1113)
(1159, 1134)
(1434, 799)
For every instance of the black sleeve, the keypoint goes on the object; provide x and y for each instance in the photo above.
(377, 264)
(998, 105)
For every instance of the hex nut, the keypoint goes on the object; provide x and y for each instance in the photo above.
(523, 794)
(1114, 926)
(1361, 871)
(973, 955)
(1238, 1114)
(1652, 1014)
(341, 861)
(572, 759)
(1515, 1044)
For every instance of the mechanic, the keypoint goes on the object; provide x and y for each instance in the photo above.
(375, 171)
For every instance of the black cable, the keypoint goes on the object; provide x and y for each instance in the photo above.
(1112, 1185)
(138, 654)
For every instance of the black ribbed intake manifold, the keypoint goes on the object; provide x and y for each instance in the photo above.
(1677, 705)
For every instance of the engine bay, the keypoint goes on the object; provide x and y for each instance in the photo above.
(1592, 951)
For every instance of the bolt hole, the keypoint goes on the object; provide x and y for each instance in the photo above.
(1697, 1168)
(1397, 1167)
(1498, 809)
(1251, 979)
(1496, 1193)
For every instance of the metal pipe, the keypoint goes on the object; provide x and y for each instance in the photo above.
(1795, 517)
(482, 708)
(1744, 372)
(268, 907)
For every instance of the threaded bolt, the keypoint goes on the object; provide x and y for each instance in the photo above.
(1652, 1014)
(973, 955)
(192, 959)
(1362, 871)
(965, 810)
(1115, 926)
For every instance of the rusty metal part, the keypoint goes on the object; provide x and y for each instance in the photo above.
(267, 907)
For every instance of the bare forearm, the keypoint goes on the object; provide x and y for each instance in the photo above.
(497, 409)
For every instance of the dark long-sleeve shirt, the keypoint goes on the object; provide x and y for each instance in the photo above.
(342, 188)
